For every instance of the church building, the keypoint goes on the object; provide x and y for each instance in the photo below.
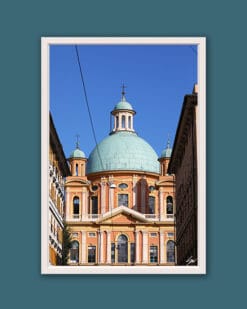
(120, 200)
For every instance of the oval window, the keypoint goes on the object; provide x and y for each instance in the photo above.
(123, 186)
(94, 188)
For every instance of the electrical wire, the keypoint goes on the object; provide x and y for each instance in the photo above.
(88, 108)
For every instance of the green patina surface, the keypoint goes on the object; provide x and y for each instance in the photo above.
(123, 104)
(166, 153)
(77, 153)
(123, 151)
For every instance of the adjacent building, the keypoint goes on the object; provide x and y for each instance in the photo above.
(58, 170)
(183, 163)
(120, 200)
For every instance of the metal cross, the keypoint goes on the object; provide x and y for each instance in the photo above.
(123, 86)
(77, 140)
(168, 141)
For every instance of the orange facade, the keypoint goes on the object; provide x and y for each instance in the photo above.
(120, 217)
(120, 201)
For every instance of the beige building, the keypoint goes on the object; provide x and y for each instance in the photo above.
(120, 200)
(58, 170)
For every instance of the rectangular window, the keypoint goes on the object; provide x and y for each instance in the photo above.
(74, 234)
(153, 253)
(113, 252)
(91, 254)
(153, 234)
(123, 200)
(169, 234)
(94, 204)
(151, 204)
(132, 252)
(91, 234)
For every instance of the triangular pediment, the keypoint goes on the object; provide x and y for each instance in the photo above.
(122, 215)
(120, 219)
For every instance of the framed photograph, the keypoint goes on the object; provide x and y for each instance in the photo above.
(123, 155)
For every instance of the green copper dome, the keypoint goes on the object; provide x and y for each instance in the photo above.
(123, 151)
(167, 152)
(123, 104)
(77, 153)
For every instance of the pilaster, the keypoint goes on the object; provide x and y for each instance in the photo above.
(145, 247)
(83, 247)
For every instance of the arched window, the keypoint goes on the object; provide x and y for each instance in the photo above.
(76, 169)
(170, 249)
(122, 247)
(74, 252)
(117, 122)
(169, 205)
(129, 122)
(123, 121)
(76, 203)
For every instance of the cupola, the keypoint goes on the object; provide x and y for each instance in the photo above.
(165, 158)
(123, 114)
(77, 161)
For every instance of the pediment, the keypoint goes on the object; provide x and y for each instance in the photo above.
(122, 215)
(120, 219)
(76, 181)
(165, 182)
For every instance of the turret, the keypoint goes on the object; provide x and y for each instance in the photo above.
(77, 162)
(165, 158)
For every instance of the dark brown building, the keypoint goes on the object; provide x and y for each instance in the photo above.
(183, 164)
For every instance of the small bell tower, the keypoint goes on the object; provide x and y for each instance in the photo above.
(165, 158)
(77, 161)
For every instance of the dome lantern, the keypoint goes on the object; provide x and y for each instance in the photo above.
(123, 114)
(123, 149)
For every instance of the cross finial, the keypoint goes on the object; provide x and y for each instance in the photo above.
(123, 87)
(77, 140)
(168, 141)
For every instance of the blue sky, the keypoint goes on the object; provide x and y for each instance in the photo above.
(156, 76)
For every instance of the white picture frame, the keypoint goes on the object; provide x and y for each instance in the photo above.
(46, 42)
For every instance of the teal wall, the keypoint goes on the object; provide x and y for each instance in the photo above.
(22, 23)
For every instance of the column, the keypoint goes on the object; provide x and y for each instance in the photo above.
(143, 196)
(111, 198)
(134, 192)
(145, 247)
(162, 247)
(84, 204)
(100, 247)
(67, 205)
(108, 247)
(161, 201)
(137, 247)
(83, 247)
(120, 121)
(103, 192)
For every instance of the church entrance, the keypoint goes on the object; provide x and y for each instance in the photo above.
(122, 246)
